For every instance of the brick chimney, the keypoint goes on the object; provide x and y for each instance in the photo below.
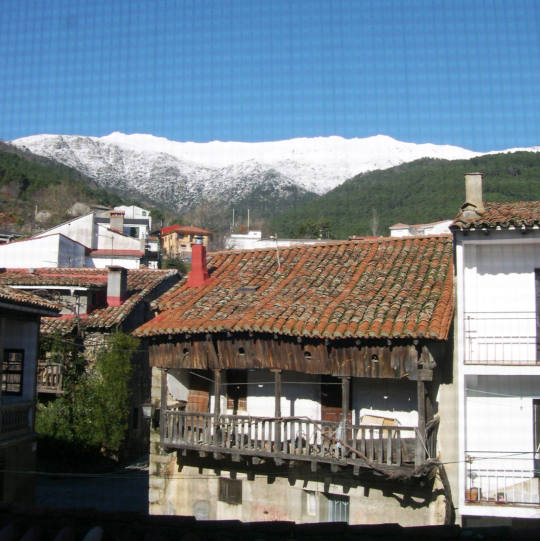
(116, 285)
(198, 275)
(116, 218)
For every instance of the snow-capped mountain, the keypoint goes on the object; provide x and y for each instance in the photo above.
(180, 174)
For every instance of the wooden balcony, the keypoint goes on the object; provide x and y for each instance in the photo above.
(49, 378)
(16, 419)
(296, 439)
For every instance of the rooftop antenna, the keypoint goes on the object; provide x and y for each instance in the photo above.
(233, 219)
(274, 237)
(248, 221)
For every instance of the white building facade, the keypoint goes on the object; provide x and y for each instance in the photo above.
(498, 366)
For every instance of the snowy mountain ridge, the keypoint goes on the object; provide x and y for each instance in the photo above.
(182, 174)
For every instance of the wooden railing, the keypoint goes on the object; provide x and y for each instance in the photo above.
(49, 378)
(292, 438)
(15, 418)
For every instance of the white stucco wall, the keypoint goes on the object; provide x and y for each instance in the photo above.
(300, 395)
(80, 229)
(110, 240)
(102, 262)
(50, 251)
(497, 373)
(499, 308)
(385, 398)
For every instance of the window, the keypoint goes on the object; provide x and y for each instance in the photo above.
(230, 490)
(12, 371)
(338, 508)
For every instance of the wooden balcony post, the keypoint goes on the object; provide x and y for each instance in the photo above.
(420, 454)
(163, 409)
(345, 394)
(217, 393)
(277, 409)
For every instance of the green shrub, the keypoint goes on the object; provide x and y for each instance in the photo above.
(93, 412)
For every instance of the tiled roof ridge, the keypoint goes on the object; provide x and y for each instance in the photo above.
(27, 299)
(364, 240)
(501, 214)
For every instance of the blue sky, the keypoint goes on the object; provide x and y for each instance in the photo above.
(445, 71)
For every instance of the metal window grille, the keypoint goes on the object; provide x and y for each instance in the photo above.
(12, 371)
(338, 508)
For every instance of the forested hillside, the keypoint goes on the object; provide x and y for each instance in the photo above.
(422, 191)
(36, 192)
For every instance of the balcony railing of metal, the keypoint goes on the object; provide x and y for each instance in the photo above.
(292, 438)
(49, 378)
(16, 419)
(502, 478)
(507, 338)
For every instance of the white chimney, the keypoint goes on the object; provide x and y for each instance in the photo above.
(116, 285)
(473, 190)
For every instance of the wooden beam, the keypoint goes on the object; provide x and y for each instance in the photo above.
(277, 406)
(277, 393)
(163, 403)
(421, 436)
(345, 397)
(217, 392)
(345, 357)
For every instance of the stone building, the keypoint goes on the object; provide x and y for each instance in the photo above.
(302, 385)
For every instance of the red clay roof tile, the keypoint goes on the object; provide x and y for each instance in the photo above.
(504, 215)
(140, 282)
(22, 298)
(389, 287)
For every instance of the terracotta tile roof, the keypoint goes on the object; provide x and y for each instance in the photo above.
(387, 287)
(15, 296)
(504, 215)
(140, 283)
(185, 230)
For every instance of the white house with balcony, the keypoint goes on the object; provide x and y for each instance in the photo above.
(497, 254)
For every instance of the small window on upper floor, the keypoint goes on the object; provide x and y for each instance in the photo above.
(12, 371)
